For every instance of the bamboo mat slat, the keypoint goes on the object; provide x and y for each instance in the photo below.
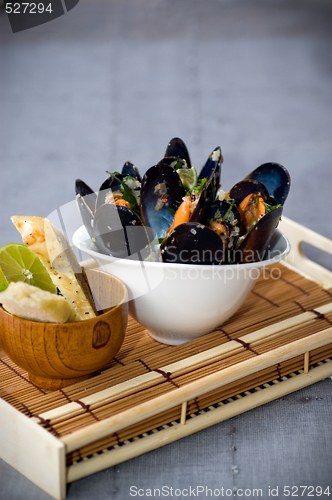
(283, 307)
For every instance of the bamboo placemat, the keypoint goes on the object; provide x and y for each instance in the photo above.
(282, 308)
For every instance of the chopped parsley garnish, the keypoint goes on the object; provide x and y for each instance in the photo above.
(199, 188)
(127, 193)
(229, 210)
(269, 208)
(112, 174)
(129, 178)
(179, 164)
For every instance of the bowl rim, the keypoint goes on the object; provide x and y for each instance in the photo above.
(124, 300)
(79, 243)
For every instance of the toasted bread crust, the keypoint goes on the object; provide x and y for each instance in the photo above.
(48, 242)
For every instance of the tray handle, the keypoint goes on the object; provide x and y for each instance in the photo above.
(297, 235)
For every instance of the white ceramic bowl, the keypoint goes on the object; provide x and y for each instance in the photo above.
(180, 302)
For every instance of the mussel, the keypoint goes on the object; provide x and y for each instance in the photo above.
(130, 169)
(275, 178)
(176, 148)
(260, 207)
(119, 231)
(86, 202)
(112, 216)
(161, 196)
(194, 221)
(193, 243)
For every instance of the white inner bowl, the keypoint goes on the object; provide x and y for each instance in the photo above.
(180, 302)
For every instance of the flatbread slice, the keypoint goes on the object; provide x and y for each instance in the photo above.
(48, 242)
(30, 302)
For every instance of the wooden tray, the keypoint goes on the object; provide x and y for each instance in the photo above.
(153, 394)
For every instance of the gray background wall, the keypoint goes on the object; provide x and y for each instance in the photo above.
(113, 81)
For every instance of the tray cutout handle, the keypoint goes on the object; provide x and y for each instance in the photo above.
(297, 235)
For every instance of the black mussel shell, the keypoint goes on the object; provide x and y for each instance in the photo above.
(207, 196)
(111, 184)
(118, 231)
(223, 210)
(212, 167)
(193, 243)
(176, 147)
(174, 162)
(254, 247)
(130, 169)
(243, 188)
(86, 213)
(205, 199)
(226, 212)
(82, 189)
(275, 178)
(161, 196)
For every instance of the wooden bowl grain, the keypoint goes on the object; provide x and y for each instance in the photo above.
(57, 355)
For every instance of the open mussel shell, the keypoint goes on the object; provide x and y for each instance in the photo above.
(119, 232)
(244, 188)
(86, 213)
(174, 162)
(86, 202)
(83, 190)
(193, 243)
(224, 212)
(208, 194)
(254, 247)
(177, 148)
(130, 169)
(212, 167)
(206, 198)
(275, 178)
(161, 196)
(110, 185)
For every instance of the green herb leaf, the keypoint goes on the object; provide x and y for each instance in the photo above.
(229, 210)
(129, 178)
(199, 188)
(179, 164)
(127, 194)
(269, 208)
(112, 174)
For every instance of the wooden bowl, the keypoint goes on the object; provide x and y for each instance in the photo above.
(57, 355)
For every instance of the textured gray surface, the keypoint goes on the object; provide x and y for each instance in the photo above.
(113, 81)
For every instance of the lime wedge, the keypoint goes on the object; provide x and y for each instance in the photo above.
(188, 177)
(18, 263)
(3, 282)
